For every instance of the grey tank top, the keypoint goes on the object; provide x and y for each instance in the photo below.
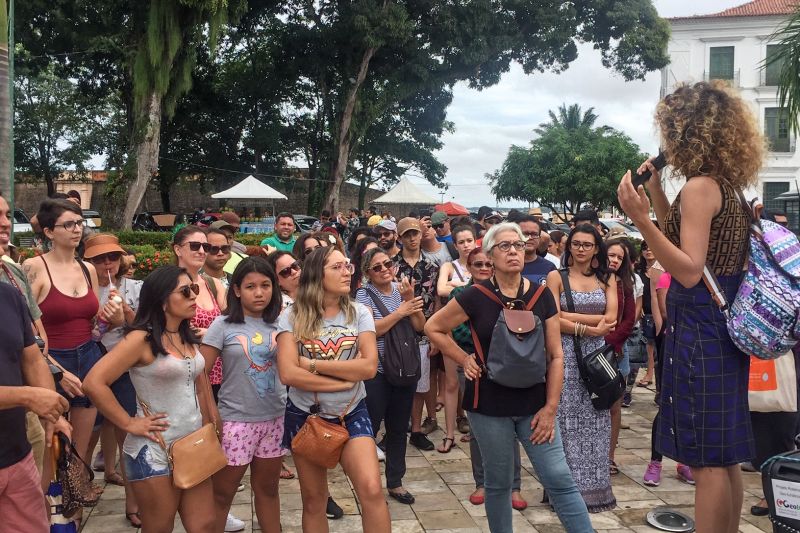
(167, 385)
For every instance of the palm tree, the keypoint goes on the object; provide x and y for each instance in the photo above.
(788, 56)
(6, 151)
(569, 118)
(161, 73)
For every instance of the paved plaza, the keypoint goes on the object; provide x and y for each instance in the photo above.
(442, 483)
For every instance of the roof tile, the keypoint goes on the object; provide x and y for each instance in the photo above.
(756, 8)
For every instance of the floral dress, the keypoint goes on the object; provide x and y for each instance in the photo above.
(586, 432)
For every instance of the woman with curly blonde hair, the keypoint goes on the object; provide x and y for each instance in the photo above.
(710, 137)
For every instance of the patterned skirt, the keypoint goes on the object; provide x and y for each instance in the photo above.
(704, 418)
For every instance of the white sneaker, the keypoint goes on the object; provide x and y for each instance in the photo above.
(233, 524)
(381, 455)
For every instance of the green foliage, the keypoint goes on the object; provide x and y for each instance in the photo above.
(567, 167)
(149, 257)
(788, 55)
(159, 239)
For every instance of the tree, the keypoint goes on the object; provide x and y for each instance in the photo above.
(565, 169)
(787, 56)
(569, 118)
(6, 152)
(55, 127)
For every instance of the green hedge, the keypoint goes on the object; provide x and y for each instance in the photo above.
(159, 239)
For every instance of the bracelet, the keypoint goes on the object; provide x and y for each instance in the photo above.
(578, 329)
(313, 368)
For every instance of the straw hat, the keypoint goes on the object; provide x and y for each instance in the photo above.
(101, 243)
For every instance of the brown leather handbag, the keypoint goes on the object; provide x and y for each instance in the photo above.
(319, 441)
(197, 456)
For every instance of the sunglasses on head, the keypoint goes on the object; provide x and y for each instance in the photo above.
(286, 272)
(111, 256)
(196, 245)
(187, 290)
(214, 250)
(378, 267)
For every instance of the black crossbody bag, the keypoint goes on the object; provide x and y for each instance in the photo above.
(599, 371)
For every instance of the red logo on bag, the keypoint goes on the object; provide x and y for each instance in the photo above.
(763, 377)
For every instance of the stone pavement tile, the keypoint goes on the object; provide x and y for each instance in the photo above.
(450, 465)
(435, 502)
(291, 518)
(672, 498)
(462, 492)
(473, 510)
(346, 524)
(420, 474)
(550, 528)
(291, 502)
(746, 527)
(416, 462)
(461, 478)
(340, 489)
(626, 493)
(289, 486)
(540, 515)
(633, 517)
(455, 453)
(648, 505)
(401, 511)
(606, 520)
(406, 526)
(445, 519)
(106, 523)
(425, 487)
(752, 481)
(761, 522)
(519, 524)
(113, 492)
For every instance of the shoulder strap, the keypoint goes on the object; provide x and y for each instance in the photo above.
(47, 268)
(492, 296)
(85, 273)
(212, 287)
(535, 298)
(567, 289)
(457, 269)
(378, 303)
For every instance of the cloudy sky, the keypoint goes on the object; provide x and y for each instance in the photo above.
(488, 122)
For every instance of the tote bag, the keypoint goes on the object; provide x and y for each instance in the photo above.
(773, 384)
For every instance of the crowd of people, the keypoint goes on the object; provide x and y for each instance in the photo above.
(377, 324)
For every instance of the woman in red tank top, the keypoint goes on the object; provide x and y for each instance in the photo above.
(66, 290)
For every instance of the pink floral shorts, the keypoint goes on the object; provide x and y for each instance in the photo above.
(242, 441)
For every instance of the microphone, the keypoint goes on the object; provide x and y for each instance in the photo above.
(640, 179)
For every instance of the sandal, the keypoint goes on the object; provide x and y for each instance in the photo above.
(130, 518)
(445, 448)
(286, 473)
(115, 479)
(644, 382)
(613, 469)
(439, 406)
(466, 438)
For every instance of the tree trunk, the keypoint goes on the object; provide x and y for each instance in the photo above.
(362, 190)
(6, 147)
(165, 201)
(343, 144)
(144, 150)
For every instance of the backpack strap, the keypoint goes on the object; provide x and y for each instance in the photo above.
(212, 286)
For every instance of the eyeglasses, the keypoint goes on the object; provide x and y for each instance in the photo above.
(531, 234)
(72, 224)
(187, 290)
(308, 251)
(286, 272)
(102, 258)
(346, 267)
(214, 250)
(578, 245)
(480, 265)
(378, 267)
(196, 245)
(505, 246)
(438, 226)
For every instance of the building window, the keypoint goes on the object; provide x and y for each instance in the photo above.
(773, 66)
(721, 63)
(776, 128)
(790, 207)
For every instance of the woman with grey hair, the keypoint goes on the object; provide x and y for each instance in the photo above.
(498, 414)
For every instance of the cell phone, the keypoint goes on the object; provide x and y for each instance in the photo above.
(640, 179)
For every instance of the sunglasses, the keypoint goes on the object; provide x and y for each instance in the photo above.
(385, 234)
(308, 251)
(214, 250)
(438, 226)
(102, 258)
(187, 290)
(286, 272)
(378, 267)
(482, 264)
(195, 246)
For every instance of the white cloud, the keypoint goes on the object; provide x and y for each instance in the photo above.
(488, 122)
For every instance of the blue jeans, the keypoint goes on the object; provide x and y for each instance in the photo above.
(499, 434)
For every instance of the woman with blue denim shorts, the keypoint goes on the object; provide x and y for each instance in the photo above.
(324, 359)
(66, 290)
(160, 354)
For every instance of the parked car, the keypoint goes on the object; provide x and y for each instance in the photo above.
(629, 230)
(92, 217)
(304, 222)
(22, 223)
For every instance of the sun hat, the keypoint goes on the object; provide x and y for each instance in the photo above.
(101, 243)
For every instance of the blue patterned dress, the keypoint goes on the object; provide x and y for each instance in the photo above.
(586, 432)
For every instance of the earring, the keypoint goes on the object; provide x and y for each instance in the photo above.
(595, 263)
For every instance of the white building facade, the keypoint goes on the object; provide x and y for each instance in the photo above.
(735, 45)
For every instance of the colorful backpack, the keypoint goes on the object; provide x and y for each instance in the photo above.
(764, 318)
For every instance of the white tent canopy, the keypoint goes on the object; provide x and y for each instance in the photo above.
(405, 192)
(250, 189)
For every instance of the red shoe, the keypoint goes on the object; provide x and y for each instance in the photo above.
(520, 504)
(476, 498)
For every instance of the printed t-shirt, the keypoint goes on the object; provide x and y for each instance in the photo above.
(536, 271)
(338, 340)
(495, 399)
(251, 389)
(16, 334)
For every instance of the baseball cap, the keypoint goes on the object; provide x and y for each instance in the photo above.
(487, 212)
(222, 224)
(408, 224)
(438, 217)
(387, 224)
(374, 220)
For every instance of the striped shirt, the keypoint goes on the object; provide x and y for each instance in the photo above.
(392, 303)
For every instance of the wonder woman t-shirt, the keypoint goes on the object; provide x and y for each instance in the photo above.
(338, 340)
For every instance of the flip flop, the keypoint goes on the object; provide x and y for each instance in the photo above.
(115, 479)
(613, 469)
(445, 448)
(286, 473)
(466, 438)
(128, 517)
(439, 406)
(644, 383)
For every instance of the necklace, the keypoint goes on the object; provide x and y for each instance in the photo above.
(189, 364)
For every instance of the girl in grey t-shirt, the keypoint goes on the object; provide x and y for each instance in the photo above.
(326, 349)
(252, 399)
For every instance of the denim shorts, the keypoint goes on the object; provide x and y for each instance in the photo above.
(125, 394)
(78, 361)
(624, 362)
(145, 465)
(358, 422)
